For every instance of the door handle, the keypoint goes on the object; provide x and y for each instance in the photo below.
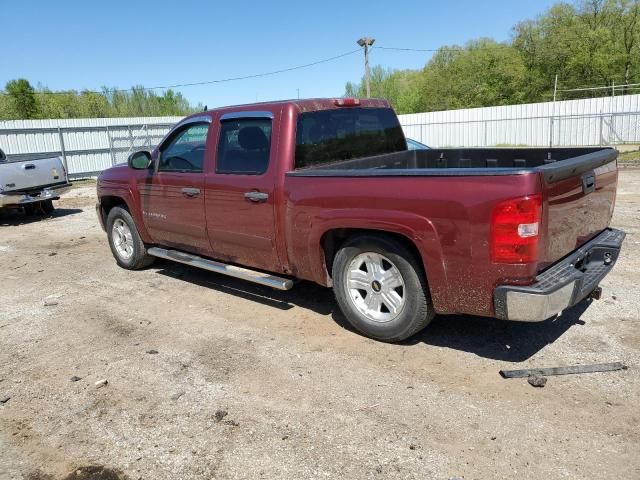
(256, 197)
(190, 192)
(29, 166)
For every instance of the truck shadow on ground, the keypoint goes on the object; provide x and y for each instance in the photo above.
(16, 217)
(486, 337)
(498, 339)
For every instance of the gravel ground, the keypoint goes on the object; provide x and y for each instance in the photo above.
(209, 377)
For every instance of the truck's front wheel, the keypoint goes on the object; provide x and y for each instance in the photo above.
(380, 288)
(126, 245)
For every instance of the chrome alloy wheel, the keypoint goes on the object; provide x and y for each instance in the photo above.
(122, 239)
(375, 287)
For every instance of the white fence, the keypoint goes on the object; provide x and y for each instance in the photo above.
(595, 121)
(88, 146)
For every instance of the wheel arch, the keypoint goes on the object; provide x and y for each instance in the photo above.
(121, 198)
(332, 240)
(416, 233)
(108, 202)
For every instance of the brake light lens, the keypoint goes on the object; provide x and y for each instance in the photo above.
(347, 102)
(515, 228)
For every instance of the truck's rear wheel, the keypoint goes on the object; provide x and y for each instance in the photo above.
(126, 245)
(381, 289)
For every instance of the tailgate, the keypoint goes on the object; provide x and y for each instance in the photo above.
(27, 175)
(578, 205)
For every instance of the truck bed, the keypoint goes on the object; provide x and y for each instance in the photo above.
(554, 163)
(455, 191)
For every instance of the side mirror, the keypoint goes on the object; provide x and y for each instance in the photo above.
(139, 160)
(3, 157)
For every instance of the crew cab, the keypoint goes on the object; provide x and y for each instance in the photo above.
(326, 190)
(32, 182)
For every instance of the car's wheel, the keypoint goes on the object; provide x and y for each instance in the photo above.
(381, 289)
(125, 242)
(47, 207)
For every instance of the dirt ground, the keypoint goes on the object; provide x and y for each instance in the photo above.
(211, 377)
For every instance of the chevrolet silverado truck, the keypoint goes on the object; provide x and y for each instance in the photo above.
(327, 191)
(32, 182)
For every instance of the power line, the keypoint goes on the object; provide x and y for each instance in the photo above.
(206, 82)
(608, 87)
(442, 49)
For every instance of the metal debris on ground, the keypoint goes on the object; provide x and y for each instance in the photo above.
(570, 370)
(101, 383)
(536, 380)
(4, 400)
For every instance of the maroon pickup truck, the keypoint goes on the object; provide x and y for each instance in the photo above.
(326, 190)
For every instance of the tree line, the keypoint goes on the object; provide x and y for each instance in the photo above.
(585, 43)
(20, 100)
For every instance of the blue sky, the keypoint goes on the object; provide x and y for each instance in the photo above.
(77, 45)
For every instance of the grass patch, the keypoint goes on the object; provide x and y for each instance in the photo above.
(633, 156)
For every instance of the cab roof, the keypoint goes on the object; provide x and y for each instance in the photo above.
(302, 105)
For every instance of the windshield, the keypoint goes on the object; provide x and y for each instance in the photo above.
(332, 135)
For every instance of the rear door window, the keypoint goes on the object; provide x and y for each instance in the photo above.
(328, 136)
(244, 146)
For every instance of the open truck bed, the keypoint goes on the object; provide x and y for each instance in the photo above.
(554, 163)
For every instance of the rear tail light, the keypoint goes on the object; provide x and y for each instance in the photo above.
(347, 102)
(515, 228)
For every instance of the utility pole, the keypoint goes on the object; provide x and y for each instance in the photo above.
(366, 42)
(553, 112)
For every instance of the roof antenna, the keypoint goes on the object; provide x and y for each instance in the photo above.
(205, 108)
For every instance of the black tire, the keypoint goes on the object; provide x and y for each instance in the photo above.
(47, 207)
(415, 313)
(139, 259)
(30, 209)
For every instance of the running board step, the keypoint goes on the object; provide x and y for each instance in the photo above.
(223, 268)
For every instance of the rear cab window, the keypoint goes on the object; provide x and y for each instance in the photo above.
(328, 136)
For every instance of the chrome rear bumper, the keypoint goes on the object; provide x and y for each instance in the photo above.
(15, 199)
(562, 285)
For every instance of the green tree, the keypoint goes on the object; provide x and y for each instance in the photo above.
(483, 73)
(400, 87)
(110, 102)
(23, 104)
